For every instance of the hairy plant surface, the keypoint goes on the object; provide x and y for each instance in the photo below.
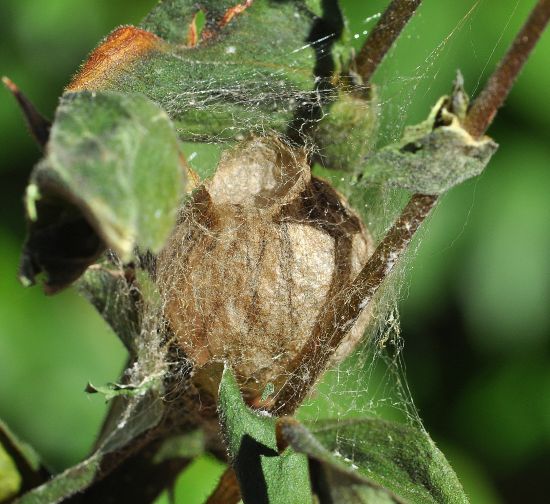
(235, 289)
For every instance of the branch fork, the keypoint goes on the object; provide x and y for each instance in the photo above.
(331, 329)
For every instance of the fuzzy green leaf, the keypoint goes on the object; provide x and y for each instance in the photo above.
(64, 485)
(111, 178)
(252, 69)
(112, 390)
(435, 155)
(264, 475)
(137, 407)
(382, 462)
(141, 414)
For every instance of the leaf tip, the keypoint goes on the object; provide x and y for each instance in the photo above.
(10, 84)
(122, 47)
(38, 125)
(26, 281)
(90, 389)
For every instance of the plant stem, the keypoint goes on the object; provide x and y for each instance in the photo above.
(227, 491)
(383, 36)
(486, 105)
(347, 306)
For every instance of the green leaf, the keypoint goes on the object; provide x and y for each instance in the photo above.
(141, 414)
(111, 179)
(254, 73)
(137, 408)
(112, 390)
(20, 467)
(263, 474)
(372, 460)
(10, 479)
(332, 479)
(435, 155)
(64, 485)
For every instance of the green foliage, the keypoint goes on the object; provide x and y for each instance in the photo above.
(435, 155)
(10, 479)
(91, 150)
(383, 455)
(111, 178)
(386, 463)
(265, 476)
(70, 482)
(141, 412)
(136, 405)
(235, 84)
(332, 479)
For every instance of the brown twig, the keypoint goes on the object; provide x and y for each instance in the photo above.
(486, 105)
(227, 491)
(383, 36)
(346, 307)
(38, 125)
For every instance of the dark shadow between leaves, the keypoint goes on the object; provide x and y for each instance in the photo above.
(319, 483)
(61, 243)
(325, 31)
(248, 466)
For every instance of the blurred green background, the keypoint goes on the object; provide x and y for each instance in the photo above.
(475, 308)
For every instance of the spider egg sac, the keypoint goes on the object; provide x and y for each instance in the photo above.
(256, 254)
